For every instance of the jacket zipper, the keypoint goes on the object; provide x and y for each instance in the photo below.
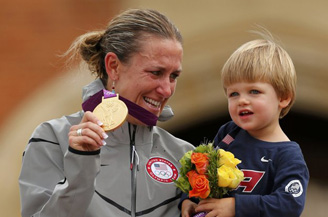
(134, 164)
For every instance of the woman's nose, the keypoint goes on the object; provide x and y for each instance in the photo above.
(166, 88)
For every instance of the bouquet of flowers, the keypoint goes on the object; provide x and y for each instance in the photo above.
(207, 172)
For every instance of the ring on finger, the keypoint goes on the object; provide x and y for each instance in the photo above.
(79, 132)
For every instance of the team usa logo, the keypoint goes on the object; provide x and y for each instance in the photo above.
(161, 170)
(295, 188)
(252, 178)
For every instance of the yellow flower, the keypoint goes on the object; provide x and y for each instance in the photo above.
(227, 158)
(239, 176)
(229, 176)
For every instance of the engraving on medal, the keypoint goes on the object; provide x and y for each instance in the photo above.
(112, 112)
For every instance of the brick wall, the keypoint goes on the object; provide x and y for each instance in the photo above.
(33, 33)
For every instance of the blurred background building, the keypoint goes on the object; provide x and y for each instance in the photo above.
(36, 86)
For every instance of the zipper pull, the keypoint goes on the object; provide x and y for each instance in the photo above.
(134, 153)
(132, 157)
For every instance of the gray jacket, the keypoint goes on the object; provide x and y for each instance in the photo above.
(130, 176)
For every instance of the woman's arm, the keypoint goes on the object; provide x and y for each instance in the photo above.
(53, 183)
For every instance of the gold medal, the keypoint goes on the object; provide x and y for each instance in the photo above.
(112, 112)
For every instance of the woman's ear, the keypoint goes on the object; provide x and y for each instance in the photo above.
(111, 64)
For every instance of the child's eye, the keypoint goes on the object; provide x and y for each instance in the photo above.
(254, 92)
(233, 94)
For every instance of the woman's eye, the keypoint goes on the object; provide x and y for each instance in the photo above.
(174, 76)
(254, 92)
(156, 72)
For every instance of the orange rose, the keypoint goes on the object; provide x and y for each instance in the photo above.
(201, 162)
(199, 184)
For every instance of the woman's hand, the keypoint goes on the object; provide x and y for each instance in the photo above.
(188, 208)
(88, 134)
(217, 207)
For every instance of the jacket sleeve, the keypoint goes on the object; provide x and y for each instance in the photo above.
(287, 197)
(56, 184)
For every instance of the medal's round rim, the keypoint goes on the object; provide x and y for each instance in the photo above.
(123, 110)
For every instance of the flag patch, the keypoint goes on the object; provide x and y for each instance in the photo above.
(228, 139)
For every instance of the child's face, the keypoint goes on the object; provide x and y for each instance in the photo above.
(255, 107)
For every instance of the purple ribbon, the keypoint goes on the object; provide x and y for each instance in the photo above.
(200, 214)
(135, 110)
(108, 94)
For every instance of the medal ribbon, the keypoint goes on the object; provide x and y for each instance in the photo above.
(135, 110)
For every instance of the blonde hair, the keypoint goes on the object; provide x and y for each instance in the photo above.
(123, 36)
(262, 60)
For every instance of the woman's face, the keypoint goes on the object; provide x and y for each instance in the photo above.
(150, 76)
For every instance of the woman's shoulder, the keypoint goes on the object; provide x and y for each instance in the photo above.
(170, 139)
(53, 129)
(71, 119)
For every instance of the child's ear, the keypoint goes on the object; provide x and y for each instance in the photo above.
(284, 102)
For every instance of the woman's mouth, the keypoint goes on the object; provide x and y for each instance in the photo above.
(152, 102)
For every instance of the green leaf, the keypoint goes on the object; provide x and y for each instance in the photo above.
(202, 148)
(183, 184)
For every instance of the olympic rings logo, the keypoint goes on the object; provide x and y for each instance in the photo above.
(162, 173)
(161, 170)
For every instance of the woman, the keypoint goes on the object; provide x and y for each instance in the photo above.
(72, 167)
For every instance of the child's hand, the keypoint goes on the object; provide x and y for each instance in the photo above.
(188, 208)
(217, 207)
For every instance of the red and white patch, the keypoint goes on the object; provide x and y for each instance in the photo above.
(161, 170)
